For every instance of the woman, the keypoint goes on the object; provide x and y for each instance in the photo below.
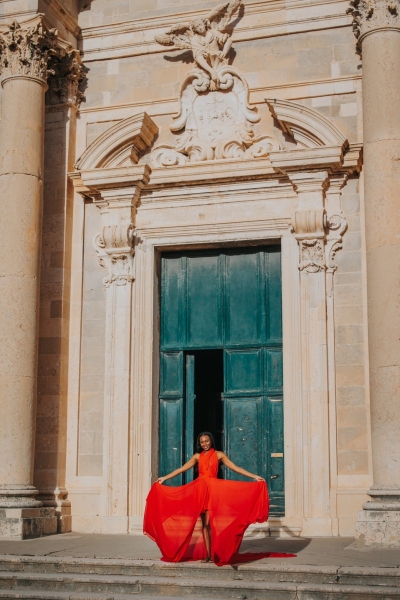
(205, 519)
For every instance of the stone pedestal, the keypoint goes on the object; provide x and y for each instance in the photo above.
(378, 524)
(378, 26)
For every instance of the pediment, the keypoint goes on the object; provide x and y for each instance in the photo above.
(120, 145)
(308, 127)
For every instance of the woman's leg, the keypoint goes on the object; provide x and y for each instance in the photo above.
(205, 518)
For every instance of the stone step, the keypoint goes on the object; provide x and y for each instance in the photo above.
(273, 572)
(36, 595)
(109, 586)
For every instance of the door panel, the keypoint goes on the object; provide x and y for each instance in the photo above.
(189, 413)
(171, 414)
(171, 379)
(245, 322)
(204, 301)
(244, 439)
(171, 426)
(173, 309)
(274, 370)
(243, 371)
(274, 295)
(276, 455)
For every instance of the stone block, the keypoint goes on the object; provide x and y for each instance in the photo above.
(27, 524)
(90, 464)
(348, 294)
(378, 529)
(347, 313)
(343, 278)
(349, 334)
(350, 375)
(349, 261)
(353, 462)
(351, 203)
(352, 416)
(350, 396)
(349, 354)
(352, 438)
(352, 241)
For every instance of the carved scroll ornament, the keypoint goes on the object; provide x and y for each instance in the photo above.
(214, 125)
(336, 225)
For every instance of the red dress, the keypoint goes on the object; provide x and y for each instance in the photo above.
(172, 516)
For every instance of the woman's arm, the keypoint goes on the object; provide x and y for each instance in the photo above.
(228, 463)
(190, 463)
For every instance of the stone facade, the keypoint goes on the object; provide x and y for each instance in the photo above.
(169, 125)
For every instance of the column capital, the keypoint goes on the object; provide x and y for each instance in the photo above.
(28, 50)
(371, 15)
(64, 84)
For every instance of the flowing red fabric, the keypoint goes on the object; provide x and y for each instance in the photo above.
(172, 517)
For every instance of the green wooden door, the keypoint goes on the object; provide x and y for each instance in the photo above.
(230, 300)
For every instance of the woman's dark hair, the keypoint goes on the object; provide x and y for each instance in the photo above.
(210, 435)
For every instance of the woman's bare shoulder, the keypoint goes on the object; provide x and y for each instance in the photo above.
(196, 456)
(220, 454)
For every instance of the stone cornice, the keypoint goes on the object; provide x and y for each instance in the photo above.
(290, 91)
(125, 140)
(372, 15)
(63, 16)
(261, 20)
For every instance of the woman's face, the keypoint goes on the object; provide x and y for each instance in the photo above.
(205, 442)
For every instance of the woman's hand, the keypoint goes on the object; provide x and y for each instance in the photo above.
(160, 479)
(258, 478)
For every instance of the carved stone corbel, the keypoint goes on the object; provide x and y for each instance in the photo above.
(309, 230)
(115, 247)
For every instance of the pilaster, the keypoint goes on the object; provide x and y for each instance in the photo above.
(63, 100)
(116, 192)
(318, 234)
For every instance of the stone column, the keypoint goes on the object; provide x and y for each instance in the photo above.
(25, 55)
(377, 26)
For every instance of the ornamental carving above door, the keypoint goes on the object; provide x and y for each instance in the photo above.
(215, 119)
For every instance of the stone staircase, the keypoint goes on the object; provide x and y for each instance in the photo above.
(63, 578)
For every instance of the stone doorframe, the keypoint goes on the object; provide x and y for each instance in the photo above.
(306, 219)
